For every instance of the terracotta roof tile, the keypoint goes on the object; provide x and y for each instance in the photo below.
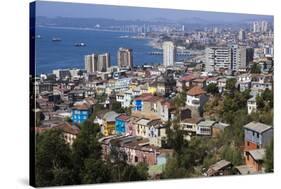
(187, 78)
(148, 97)
(123, 117)
(195, 91)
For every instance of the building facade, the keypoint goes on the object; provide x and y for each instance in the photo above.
(257, 135)
(230, 58)
(125, 58)
(169, 53)
(80, 112)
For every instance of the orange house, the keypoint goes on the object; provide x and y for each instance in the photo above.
(254, 159)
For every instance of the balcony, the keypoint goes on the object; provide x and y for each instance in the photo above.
(195, 102)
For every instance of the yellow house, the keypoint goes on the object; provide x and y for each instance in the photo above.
(109, 128)
(152, 90)
(109, 123)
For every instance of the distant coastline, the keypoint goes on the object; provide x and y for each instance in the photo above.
(69, 56)
(82, 28)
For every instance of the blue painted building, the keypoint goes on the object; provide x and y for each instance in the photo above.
(80, 112)
(138, 105)
(257, 135)
(121, 124)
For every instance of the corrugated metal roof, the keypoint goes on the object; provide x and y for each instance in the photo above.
(257, 126)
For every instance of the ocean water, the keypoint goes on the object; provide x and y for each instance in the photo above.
(54, 55)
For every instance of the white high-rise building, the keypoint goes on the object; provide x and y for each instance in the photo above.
(88, 63)
(217, 57)
(97, 63)
(169, 53)
(242, 35)
(229, 58)
(256, 27)
(260, 26)
(103, 62)
(264, 26)
(125, 58)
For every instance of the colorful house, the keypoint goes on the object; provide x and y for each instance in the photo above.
(108, 126)
(252, 105)
(80, 112)
(136, 148)
(196, 97)
(204, 128)
(257, 135)
(254, 159)
(121, 124)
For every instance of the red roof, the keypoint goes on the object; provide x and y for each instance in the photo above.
(123, 117)
(195, 91)
(66, 127)
(81, 106)
(187, 78)
(148, 97)
(212, 78)
(167, 103)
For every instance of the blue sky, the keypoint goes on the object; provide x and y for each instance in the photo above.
(78, 10)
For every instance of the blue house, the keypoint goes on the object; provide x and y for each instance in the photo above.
(80, 112)
(138, 105)
(257, 135)
(121, 124)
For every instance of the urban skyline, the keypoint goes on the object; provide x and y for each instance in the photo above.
(78, 10)
(136, 102)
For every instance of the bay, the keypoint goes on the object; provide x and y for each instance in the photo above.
(50, 55)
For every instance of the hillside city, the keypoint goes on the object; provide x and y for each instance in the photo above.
(206, 110)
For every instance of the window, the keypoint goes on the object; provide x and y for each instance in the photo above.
(136, 159)
(258, 135)
(253, 133)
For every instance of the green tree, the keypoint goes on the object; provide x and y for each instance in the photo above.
(53, 162)
(232, 154)
(142, 169)
(121, 171)
(95, 171)
(255, 69)
(268, 160)
(116, 106)
(179, 99)
(231, 85)
(213, 89)
(267, 97)
(173, 170)
(84, 147)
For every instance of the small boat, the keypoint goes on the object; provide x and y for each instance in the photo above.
(124, 36)
(56, 39)
(80, 44)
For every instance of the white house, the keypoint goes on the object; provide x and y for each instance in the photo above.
(196, 97)
(204, 128)
(221, 84)
(244, 81)
(252, 105)
(261, 82)
(120, 98)
(128, 97)
(156, 134)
